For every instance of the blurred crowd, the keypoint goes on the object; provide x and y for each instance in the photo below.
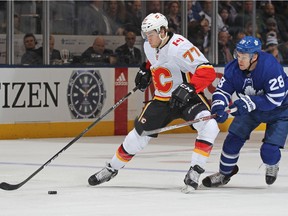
(235, 22)
(124, 18)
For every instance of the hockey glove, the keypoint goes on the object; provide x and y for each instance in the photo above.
(183, 95)
(244, 106)
(218, 109)
(143, 77)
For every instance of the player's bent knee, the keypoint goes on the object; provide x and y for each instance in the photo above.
(139, 127)
(207, 130)
(134, 143)
(270, 153)
(232, 144)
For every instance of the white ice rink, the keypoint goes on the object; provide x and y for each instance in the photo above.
(148, 186)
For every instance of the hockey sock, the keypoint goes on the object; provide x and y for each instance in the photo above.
(121, 158)
(230, 153)
(201, 153)
(270, 153)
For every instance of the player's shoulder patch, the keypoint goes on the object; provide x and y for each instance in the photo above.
(177, 40)
(178, 44)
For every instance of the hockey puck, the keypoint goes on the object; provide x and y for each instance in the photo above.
(52, 192)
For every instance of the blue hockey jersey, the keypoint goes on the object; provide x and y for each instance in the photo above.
(267, 84)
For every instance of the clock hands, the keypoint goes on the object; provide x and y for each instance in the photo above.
(86, 93)
(92, 87)
(82, 91)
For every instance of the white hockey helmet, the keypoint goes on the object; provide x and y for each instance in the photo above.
(154, 21)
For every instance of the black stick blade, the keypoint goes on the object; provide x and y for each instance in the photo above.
(8, 187)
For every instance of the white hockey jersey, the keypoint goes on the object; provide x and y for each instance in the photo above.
(177, 61)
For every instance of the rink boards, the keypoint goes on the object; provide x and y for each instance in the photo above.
(43, 102)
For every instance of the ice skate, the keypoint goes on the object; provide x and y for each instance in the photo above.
(192, 178)
(271, 173)
(103, 175)
(218, 179)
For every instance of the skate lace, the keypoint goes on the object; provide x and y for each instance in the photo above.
(104, 174)
(195, 172)
(272, 170)
(194, 176)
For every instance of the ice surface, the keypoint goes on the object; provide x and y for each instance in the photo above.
(149, 185)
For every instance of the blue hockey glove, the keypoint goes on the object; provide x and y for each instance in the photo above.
(143, 77)
(218, 109)
(244, 106)
(183, 95)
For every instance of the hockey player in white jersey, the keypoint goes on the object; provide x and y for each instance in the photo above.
(180, 73)
(262, 87)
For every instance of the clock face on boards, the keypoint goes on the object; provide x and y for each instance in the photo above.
(86, 94)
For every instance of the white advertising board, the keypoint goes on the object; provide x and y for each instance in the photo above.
(42, 94)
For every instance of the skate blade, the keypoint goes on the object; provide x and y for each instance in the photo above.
(203, 187)
(187, 189)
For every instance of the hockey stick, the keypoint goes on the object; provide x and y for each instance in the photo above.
(7, 186)
(172, 127)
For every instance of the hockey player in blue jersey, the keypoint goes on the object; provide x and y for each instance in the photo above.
(261, 85)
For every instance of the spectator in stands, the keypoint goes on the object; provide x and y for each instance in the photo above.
(236, 38)
(153, 6)
(239, 35)
(193, 7)
(62, 17)
(224, 47)
(32, 56)
(272, 47)
(248, 29)
(246, 16)
(207, 13)
(29, 17)
(134, 17)
(98, 54)
(232, 11)
(54, 54)
(127, 53)
(93, 20)
(271, 27)
(224, 14)
(17, 25)
(116, 13)
(277, 20)
(173, 17)
(283, 49)
(199, 33)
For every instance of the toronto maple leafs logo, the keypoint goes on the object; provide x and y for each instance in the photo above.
(256, 42)
(248, 88)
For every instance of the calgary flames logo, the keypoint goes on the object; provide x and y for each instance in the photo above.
(161, 79)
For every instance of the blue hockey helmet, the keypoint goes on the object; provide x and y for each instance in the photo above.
(249, 44)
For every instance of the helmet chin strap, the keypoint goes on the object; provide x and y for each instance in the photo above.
(247, 71)
(163, 40)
